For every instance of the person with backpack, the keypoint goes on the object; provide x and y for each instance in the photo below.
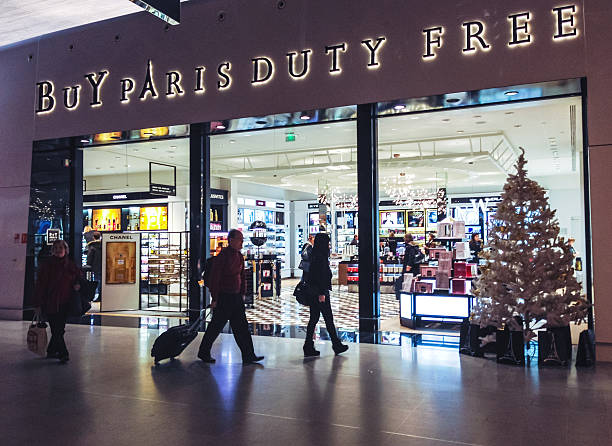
(319, 279)
(226, 282)
(306, 257)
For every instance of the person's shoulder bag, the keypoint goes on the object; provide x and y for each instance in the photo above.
(304, 293)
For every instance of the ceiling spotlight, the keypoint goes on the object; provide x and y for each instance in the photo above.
(511, 93)
(153, 148)
(509, 113)
(327, 126)
(172, 147)
(399, 107)
(304, 117)
(460, 131)
(481, 122)
(477, 116)
(517, 125)
(86, 141)
(446, 120)
(220, 127)
(232, 141)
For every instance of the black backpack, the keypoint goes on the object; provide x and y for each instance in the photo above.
(207, 270)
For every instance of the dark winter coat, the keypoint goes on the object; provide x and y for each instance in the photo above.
(54, 287)
(320, 276)
(306, 257)
(94, 256)
(411, 257)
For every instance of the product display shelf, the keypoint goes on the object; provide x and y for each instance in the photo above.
(440, 295)
(164, 269)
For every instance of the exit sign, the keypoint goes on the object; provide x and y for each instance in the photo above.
(289, 137)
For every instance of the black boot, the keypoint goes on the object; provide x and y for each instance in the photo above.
(309, 349)
(339, 348)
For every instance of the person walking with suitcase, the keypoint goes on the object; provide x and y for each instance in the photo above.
(227, 288)
(319, 279)
(57, 278)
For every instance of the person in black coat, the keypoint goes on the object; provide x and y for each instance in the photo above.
(319, 280)
(94, 259)
(411, 256)
(306, 257)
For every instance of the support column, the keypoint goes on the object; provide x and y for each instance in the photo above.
(367, 178)
(76, 202)
(199, 217)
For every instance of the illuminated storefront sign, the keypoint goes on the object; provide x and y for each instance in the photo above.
(296, 62)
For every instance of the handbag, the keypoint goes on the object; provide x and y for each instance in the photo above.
(37, 337)
(304, 293)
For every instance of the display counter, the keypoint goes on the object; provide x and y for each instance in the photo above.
(436, 306)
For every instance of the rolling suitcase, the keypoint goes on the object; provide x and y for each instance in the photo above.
(173, 341)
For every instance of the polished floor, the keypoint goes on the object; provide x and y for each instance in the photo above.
(111, 394)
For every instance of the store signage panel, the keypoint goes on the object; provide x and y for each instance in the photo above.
(162, 189)
(280, 205)
(313, 206)
(53, 235)
(154, 80)
(131, 196)
(260, 203)
(218, 195)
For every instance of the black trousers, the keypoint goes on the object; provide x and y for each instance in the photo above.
(57, 322)
(230, 307)
(316, 310)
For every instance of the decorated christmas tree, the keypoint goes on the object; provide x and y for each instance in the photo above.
(529, 270)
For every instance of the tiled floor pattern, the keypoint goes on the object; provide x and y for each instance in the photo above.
(285, 310)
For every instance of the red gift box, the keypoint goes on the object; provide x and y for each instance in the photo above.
(460, 270)
(458, 286)
(423, 287)
(428, 271)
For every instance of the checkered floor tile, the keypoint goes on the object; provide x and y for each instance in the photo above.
(284, 309)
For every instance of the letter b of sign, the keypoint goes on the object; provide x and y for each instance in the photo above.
(46, 100)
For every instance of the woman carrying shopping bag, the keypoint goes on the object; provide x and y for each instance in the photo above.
(58, 278)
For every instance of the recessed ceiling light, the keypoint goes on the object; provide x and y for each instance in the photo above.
(220, 127)
(517, 125)
(399, 107)
(327, 126)
(415, 117)
(511, 93)
(118, 157)
(509, 113)
(232, 141)
(477, 116)
(393, 130)
(481, 122)
(85, 140)
(241, 175)
(304, 117)
(153, 148)
(446, 120)
(172, 147)
(460, 131)
(97, 168)
(452, 100)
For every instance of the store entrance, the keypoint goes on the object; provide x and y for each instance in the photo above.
(135, 211)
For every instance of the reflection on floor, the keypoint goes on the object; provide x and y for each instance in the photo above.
(110, 393)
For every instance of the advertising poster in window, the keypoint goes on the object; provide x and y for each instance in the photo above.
(120, 262)
(106, 220)
(416, 219)
(154, 218)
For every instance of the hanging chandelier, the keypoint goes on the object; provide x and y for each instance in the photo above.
(405, 194)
